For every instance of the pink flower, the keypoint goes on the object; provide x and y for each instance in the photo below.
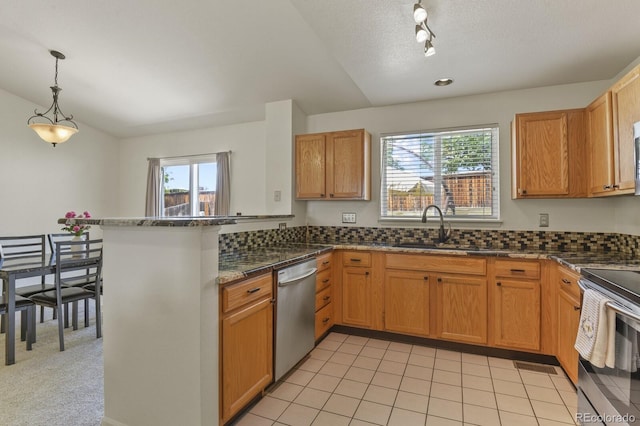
(87, 215)
(76, 228)
(70, 215)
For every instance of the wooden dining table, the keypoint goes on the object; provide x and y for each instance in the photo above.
(14, 269)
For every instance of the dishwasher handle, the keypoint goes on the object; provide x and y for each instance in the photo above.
(298, 278)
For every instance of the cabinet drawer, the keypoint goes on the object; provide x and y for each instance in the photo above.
(325, 261)
(568, 282)
(517, 269)
(323, 279)
(451, 264)
(236, 295)
(323, 298)
(324, 320)
(356, 258)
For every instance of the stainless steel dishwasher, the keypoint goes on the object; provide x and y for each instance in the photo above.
(295, 315)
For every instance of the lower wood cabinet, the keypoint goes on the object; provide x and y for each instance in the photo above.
(569, 306)
(461, 308)
(516, 319)
(515, 293)
(246, 337)
(406, 302)
(357, 296)
(324, 295)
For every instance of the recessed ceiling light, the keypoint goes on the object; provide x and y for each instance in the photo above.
(443, 82)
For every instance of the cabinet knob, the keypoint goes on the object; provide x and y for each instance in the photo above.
(616, 186)
(331, 195)
(322, 195)
(606, 187)
(566, 281)
(326, 280)
(366, 273)
(253, 290)
(439, 280)
(325, 320)
(522, 191)
(499, 284)
(426, 278)
(326, 298)
(576, 308)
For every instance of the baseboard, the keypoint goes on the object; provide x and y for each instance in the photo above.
(444, 344)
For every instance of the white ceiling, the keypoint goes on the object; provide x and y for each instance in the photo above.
(137, 67)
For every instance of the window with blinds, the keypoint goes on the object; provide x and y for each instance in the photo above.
(455, 169)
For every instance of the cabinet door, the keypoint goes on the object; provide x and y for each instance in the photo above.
(346, 165)
(461, 310)
(600, 137)
(516, 319)
(310, 166)
(625, 96)
(247, 363)
(542, 164)
(406, 302)
(356, 296)
(568, 323)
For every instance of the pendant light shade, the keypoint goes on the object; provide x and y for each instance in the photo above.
(53, 133)
(58, 128)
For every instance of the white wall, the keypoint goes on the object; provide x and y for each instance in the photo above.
(41, 183)
(565, 215)
(248, 168)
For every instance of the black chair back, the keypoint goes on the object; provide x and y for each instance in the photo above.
(22, 246)
(62, 237)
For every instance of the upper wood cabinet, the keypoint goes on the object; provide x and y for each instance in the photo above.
(549, 155)
(600, 142)
(625, 102)
(333, 166)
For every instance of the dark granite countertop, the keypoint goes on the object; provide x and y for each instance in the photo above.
(240, 264)
(244, 263)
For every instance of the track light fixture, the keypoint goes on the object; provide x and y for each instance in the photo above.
(423, 32)
(51, 130)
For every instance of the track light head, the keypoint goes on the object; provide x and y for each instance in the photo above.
(421, 34)
(419, 13)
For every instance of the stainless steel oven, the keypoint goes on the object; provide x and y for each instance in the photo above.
(611, 396)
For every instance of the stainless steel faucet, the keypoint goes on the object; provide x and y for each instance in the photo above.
(443, 235)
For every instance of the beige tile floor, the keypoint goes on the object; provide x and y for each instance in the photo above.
(352, 380)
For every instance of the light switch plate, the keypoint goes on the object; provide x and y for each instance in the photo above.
(544, 220)
(348, 218)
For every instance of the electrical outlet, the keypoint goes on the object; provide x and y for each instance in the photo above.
(277, 195)
(544, 219)
(348, 218)
(282, 225)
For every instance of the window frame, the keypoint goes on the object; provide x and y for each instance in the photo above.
(495, 217)
(193, 162)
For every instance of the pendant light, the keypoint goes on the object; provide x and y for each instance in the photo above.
(50, 129)
(423, 32)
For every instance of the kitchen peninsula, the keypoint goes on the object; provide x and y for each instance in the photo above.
(161, 333)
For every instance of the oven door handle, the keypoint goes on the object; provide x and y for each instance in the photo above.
(611, 305)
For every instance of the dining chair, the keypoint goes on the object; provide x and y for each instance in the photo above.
(27, 249)
(86, 265)
(61, 237)
(28, 318)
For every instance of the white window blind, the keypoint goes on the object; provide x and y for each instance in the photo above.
(455, 169)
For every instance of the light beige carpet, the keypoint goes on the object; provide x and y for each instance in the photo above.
(49, 387)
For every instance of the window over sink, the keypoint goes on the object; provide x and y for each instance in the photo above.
(455, 169)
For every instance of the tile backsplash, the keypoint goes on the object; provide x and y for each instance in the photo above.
(482, 238)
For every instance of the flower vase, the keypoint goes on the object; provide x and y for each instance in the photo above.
(77, 249)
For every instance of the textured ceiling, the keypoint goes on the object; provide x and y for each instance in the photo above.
(136, 67)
